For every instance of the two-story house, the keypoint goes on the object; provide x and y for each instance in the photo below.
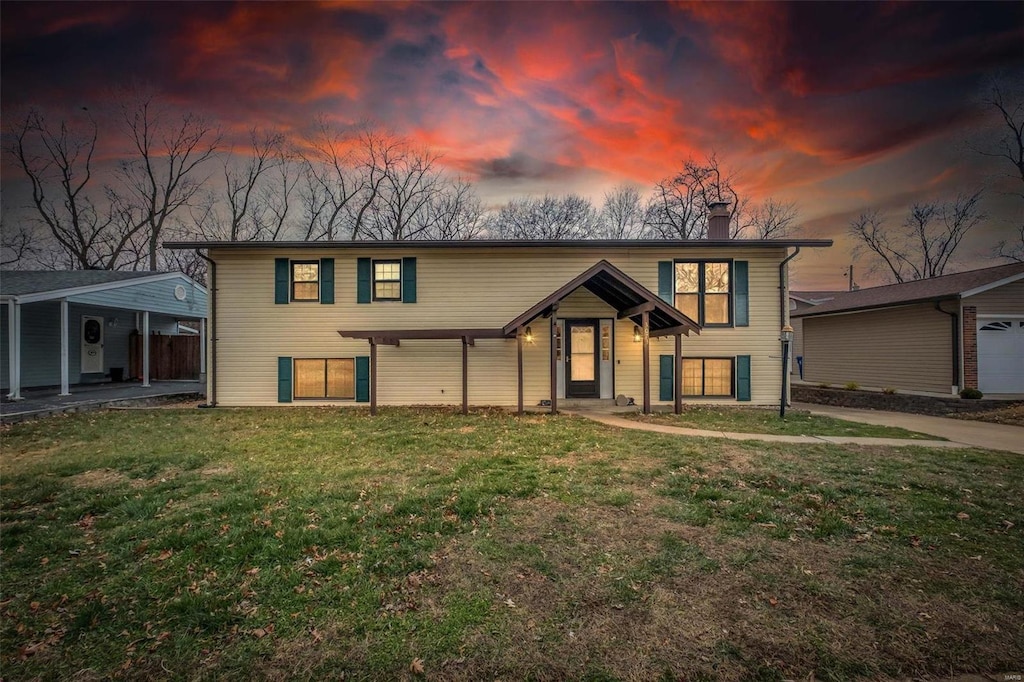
(504, 323)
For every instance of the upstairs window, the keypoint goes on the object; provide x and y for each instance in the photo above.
(387, 280)
(703, 291)
(306, 280)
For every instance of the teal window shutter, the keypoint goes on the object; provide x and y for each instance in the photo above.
(666, 375)
(281, 276)
(284, 380)
(327, 280)
(364, 283)
(742, 292)
(743, 377)
(666, 281)
(408, 280)
(362, 379)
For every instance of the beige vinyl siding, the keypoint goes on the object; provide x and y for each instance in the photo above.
(907, 348)
(1005, 300)
(797, 323)
(464, 288)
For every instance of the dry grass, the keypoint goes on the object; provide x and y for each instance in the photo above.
(316, 544)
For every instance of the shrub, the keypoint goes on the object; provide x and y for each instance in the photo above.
(889, 391)
(971, 394)
(851, 386)
(824, 385)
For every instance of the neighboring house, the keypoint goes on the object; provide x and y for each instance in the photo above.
(935, 335)
(63, 328)
(798, 302)
(495, 323)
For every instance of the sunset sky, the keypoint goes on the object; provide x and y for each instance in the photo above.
(839, 107)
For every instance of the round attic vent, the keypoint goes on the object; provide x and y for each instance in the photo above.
(179, 292)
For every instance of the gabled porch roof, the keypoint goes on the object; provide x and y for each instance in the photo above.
(620, 291)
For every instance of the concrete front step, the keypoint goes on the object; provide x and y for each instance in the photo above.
(593, 403)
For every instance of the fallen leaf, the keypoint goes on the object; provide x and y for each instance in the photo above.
(509, 603)
(773, 601)
(165, 555)
(963, 516)
(416, 667)
(1008, 524)
(44, 560)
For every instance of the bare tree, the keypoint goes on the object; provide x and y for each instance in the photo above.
(162, 173)
(622, 214)
(771, 219)
(16, 244)
(243, 183)
(1006, 100)
(566, 217)
(332, 177)
(680, 204)
(401, 208)
(89, 225)
(455, 213)
(924, 244)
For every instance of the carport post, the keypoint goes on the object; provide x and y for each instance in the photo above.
(145, 348)
(14, 348)
(202, 346)
(64, 343)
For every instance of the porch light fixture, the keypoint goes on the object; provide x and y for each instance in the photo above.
(528, 335)
(638, 334)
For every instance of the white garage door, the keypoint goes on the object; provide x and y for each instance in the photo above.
(1001, 356)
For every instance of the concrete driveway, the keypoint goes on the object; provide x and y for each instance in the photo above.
(976, 434)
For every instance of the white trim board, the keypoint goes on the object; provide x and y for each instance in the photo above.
(992, 285)
(93, 288)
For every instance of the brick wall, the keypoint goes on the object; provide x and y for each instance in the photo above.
(970, 336)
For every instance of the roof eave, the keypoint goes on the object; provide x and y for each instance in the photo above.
(510, 243)
(811, 312)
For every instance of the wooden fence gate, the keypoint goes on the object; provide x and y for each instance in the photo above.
(170, 356)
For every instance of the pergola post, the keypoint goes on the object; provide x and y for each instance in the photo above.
(64, 344)
(677, 378)
(554, 360)
(645, 317)
(519, 352)
(14, 349)
(465, 375)
(373, 377)
(145, 348)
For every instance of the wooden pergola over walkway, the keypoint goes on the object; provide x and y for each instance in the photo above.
(629, 298)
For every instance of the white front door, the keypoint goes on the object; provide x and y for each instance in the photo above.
(92, 345)
(1001, 356)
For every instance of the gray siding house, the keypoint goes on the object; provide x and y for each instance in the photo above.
(62, 328)
(936, 335)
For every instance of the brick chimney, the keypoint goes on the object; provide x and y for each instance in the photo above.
(718, 220)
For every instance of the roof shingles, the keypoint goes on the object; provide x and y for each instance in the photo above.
(946, 286)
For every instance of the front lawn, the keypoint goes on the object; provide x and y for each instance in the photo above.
(319, 544)
(758, 420)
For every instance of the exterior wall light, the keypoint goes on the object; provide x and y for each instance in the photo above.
(528, 335)
(638, 334)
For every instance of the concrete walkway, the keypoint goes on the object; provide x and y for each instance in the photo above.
(612, 420)
(43, 403)
(976, 434)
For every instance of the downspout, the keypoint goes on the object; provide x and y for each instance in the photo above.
(211, 400)
(783, 304)
(956, 343)
(783, 307)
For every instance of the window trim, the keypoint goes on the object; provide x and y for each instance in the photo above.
(295, 374)
(703, 374)
(292, 281)
(374, 280)
(701, 293)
